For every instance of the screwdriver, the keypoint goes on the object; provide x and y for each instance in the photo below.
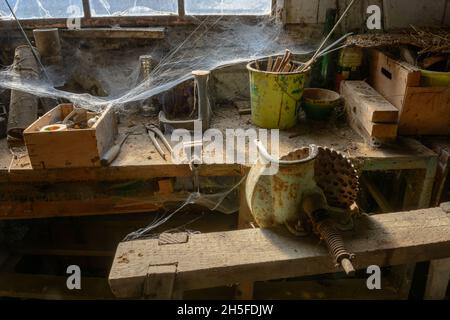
(113, 152)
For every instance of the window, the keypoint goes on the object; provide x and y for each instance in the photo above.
(44, 9)
(235, 7)
(35, 9)
(103, 8)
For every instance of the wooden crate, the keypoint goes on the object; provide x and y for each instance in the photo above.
(423, 110)
(69, 148)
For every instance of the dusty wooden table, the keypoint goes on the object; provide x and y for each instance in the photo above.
(28, 193)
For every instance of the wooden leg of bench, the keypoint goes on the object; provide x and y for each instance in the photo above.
(427, 184)
(419, 185)
(244, 290)
(438, 278)
(401, 277)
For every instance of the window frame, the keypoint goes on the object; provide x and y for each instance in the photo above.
(87, 21)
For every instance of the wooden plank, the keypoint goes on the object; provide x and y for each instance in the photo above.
(86, 9)
(92, 205)
(368, 103)
(362, 108)
(370, 131)
(382, 130)
(438, 279)
(441, 183)
(106, 130)
(19, 201)
(137, 158)
(160, 281)
(181, 10)
(375, 192)
(116, 33)
(123, 21)
(244, 290)
(261, 254)
(304, 12)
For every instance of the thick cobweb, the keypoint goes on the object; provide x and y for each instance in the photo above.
(215, 42)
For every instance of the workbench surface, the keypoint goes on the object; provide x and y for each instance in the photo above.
(138, 158)
(139, 180)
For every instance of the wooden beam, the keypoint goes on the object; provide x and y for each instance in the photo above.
(369, 104)
(223, 258)
(377, 195)
(181, 10)
(91, 205)
(369, 111)
(86, 9)
(125, 21)
(244, 290)
(116, 33)
(438, 279)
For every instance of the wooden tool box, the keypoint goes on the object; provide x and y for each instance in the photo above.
(423, 110)
(69, 148)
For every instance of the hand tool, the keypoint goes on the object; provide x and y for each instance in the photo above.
(113, 152)
(161, 135)
(152, 136)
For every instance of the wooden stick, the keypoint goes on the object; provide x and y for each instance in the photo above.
(286, 59)
(276, 65)
(269, 64)
(287, 68)
(257, 65)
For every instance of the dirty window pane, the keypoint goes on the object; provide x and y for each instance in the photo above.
(238, 7)
(35, 9)
(133, 7)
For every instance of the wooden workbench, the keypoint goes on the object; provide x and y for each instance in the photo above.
(163, 268)
(28, 193)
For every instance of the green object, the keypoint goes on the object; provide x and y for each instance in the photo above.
(275, 97)
(324, 66)
(318, 104)
(434, 79)
(326, 61)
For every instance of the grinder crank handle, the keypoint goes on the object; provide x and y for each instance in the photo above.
(314, 204)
